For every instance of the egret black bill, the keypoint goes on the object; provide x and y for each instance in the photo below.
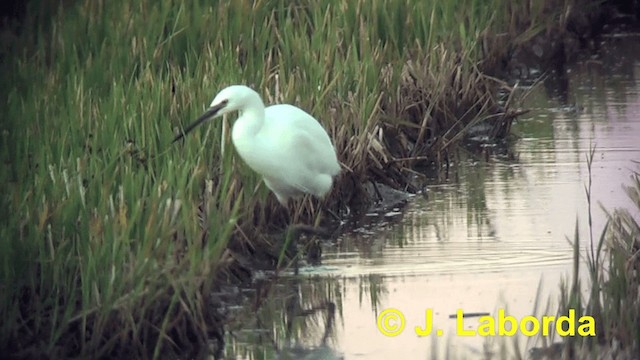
(209, 114)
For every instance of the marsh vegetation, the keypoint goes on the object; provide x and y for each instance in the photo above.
(112, 240)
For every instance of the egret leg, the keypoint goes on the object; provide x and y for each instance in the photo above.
(295, 229)
(292, 236)
(333, 214)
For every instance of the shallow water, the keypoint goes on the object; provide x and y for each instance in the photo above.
(493, 235)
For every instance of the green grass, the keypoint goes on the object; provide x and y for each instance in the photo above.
(612, 264)
(111, 238)
(610, 295)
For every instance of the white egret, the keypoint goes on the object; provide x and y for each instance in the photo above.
(283, 143)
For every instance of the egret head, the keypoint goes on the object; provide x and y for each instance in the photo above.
(232, 98)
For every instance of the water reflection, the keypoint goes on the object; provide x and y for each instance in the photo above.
(295, 320)
(483, 239)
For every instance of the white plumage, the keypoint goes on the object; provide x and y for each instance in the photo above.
(283, 143)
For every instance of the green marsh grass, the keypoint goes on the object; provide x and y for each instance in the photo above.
(112, 238)
(611, 295)
(613, 290)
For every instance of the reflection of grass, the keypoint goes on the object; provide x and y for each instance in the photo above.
(110, 240)
(295, 318)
